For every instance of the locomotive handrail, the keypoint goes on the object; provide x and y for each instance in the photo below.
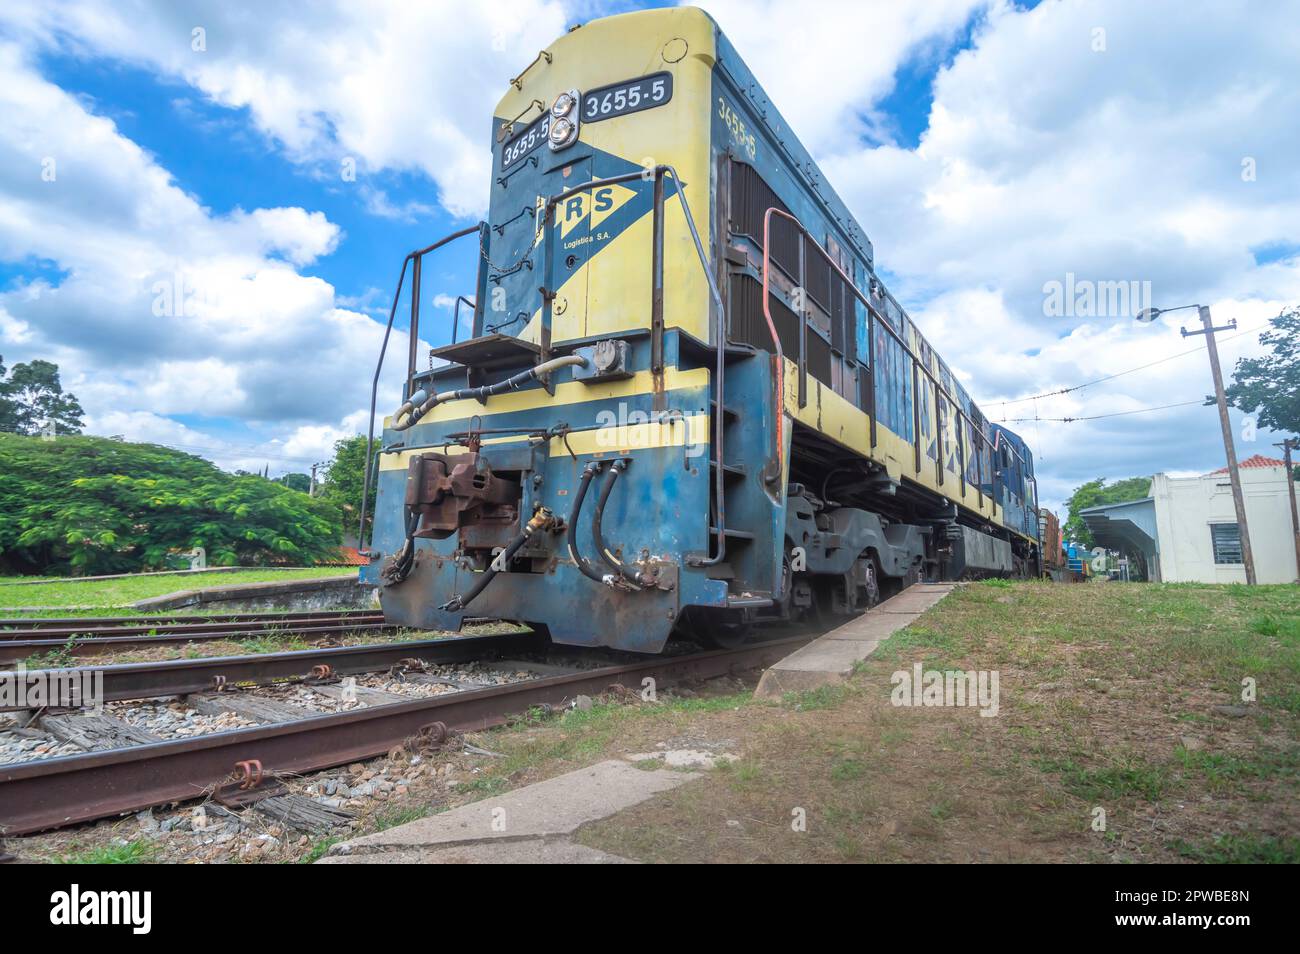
(656, 310)
(872, 313)
(415, 257)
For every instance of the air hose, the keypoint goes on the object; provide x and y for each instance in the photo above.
(400, 567)
(633, 578)
(541, 520)
(589, 571)
(420, 403)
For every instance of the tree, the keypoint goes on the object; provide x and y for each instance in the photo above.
(345, 478)
(32, 401)
(92, 505)
(298, 482)
(1095, 493)
(8, 408)
(1271, 384)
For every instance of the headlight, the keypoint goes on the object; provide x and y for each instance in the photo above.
(563, 104)
(561, 129)
(564, 121)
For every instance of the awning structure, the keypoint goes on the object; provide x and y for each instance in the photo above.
(1129, 528)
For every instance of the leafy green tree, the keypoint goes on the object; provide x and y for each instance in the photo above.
(345, 478)
(298, 482)
(8, 407)
(1270, 384)
(1095, 493)
(91, 505)
(32, 400)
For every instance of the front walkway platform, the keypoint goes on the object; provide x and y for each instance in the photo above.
(830, 659)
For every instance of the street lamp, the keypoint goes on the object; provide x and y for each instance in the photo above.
(1239, 502)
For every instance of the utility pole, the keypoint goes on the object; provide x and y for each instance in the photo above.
(311, 489)
(1288, 445)
(1208, 329)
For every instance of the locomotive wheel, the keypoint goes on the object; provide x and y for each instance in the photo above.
(713, 635)
(725, 635)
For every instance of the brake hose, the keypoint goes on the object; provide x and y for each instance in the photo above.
(632, 577)
(589, 571)
(540, 520)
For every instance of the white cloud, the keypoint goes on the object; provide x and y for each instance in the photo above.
(827, 70)
(162, 307)
(1043, 157)
(407, 87)
(299, 235)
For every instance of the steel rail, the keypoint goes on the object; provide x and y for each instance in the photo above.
(13, 650)
(39, 795)
(183, 629)
(144, 619)
(178, 677)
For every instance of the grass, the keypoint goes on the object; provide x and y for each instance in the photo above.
(71, 592)
(135, 852)
(1110, 699)
(60, 658)
(318, 849)
(272, 641)
(1241, 850)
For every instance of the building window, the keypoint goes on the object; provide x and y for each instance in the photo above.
(1226, 540)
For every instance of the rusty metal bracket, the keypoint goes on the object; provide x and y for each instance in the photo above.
(403, 666)
(432, 736)
(321, 672)
(249, 784)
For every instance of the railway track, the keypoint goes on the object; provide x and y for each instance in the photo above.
(13, 651)
(23, 643)
(41, 794)
(54, 627)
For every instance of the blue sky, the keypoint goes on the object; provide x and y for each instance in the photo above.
(989, 149)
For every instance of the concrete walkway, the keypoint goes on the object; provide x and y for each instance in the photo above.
(829, 659)
(529, 825)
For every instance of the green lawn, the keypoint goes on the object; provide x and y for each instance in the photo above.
(120, 593)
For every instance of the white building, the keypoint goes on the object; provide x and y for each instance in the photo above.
(1186, 530)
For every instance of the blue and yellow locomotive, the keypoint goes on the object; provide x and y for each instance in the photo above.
(688, 403)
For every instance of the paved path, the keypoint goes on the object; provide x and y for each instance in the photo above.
(830, 659)
(528, 825)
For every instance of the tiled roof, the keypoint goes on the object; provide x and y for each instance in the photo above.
(348, 556)
(1256, 460)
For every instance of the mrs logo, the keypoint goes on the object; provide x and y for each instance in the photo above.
(592, 208)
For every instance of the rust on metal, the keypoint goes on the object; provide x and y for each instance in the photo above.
(249, 783)
(451, 491)
(35, 796)
(178, 677)
(98, 627)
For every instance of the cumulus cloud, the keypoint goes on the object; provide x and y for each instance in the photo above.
(828, 72)
(1087, 142)
(394, 86)
(162, 307)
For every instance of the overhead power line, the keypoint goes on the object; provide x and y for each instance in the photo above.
(1095, 417)
(1119, 374)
